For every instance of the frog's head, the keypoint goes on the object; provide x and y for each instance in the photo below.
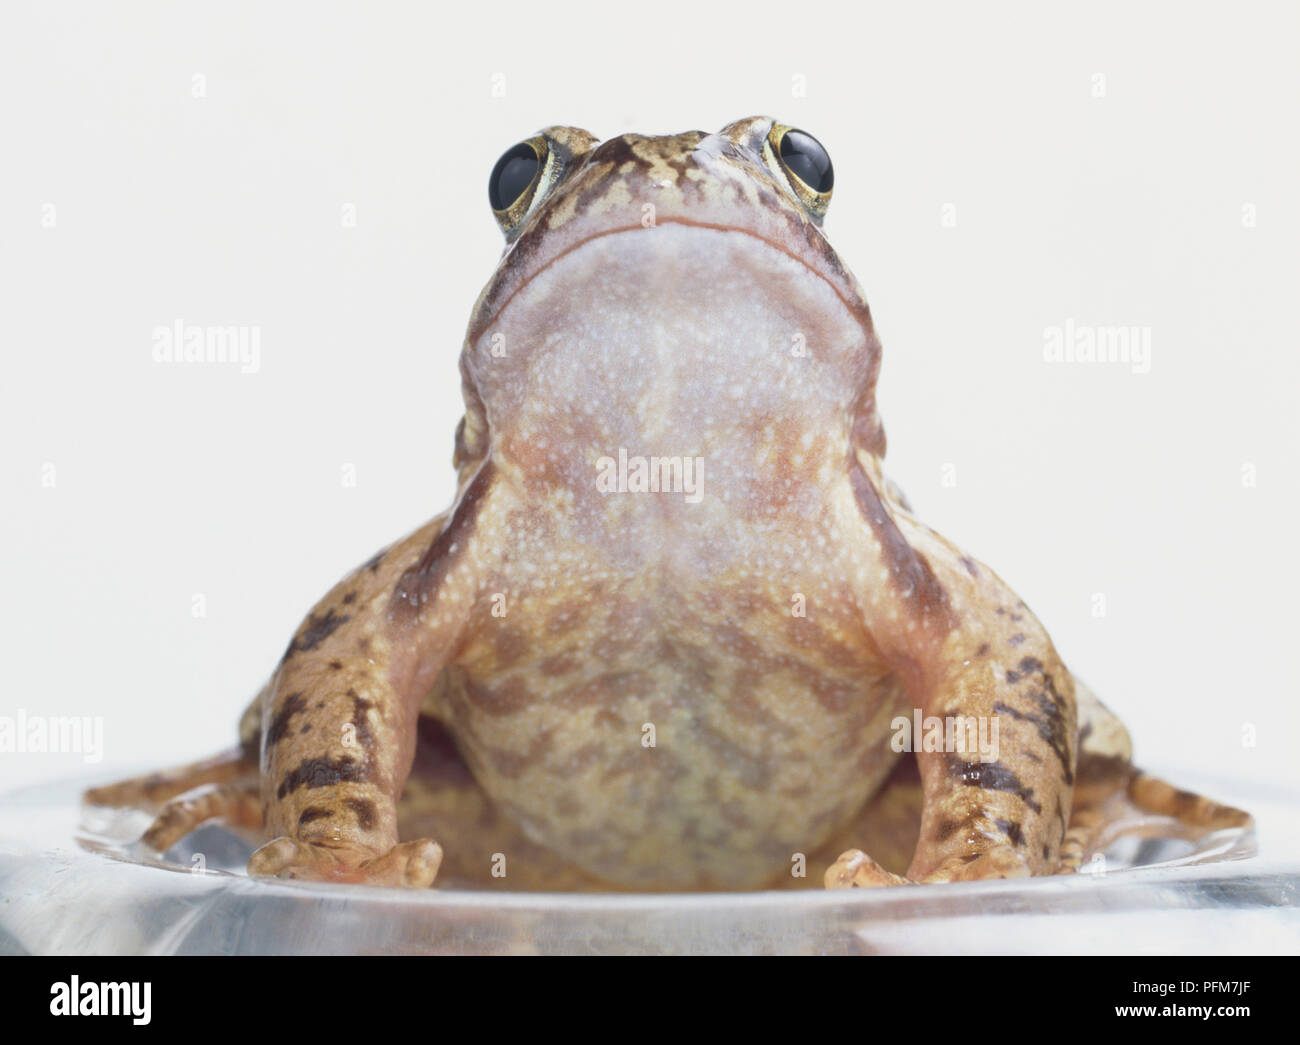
(651, 284)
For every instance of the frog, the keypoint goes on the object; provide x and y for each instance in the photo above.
(677, 625)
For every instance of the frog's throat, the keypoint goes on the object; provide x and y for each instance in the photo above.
(851, 299)
(688, 332)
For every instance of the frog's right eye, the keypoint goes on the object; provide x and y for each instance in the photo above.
(516, 181)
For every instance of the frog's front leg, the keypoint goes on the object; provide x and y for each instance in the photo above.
(973, 656)
(340, 718)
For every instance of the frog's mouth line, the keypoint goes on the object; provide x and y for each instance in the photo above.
(857, 309)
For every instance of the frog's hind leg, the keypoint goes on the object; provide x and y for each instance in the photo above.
(155, 789)
(1114, 799)
(238, 806)
(1197, 814)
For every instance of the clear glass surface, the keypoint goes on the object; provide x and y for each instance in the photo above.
(75, 881)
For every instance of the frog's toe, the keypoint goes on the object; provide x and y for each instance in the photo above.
(281, 858)
(856, 868)
(411, 864)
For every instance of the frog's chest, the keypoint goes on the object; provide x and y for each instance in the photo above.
(663, 735)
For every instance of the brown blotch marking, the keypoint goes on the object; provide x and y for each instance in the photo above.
(970, 565)
(509, 645)
(293, 704)
(908, 568)
(315, 773)
(360, 705)
(318, 629)
(1011, 828)
(423, 579)
(312, 813)
(306, 728)
(992, 776)
(741, 702)
(752, 770)
(561, 664)
(336, 665)
(1027, 666)
(509, 697)
(349, 598)
(1016, 639)
(983, 650)
(364, 810)
(597, 691)
(372, 564)
(836, 695)
(512, 764)
(1185, 803)
(945, 829)
(1047, 851)
(607, 717)
(1093, 768)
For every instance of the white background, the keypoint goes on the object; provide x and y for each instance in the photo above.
(1113, 201)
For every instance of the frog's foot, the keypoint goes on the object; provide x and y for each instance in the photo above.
(855, 868)
(411, 864)
(1143, 806)
(238, 805)
(153, 790)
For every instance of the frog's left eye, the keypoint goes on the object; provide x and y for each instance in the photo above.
(804, 163)
(516, 181)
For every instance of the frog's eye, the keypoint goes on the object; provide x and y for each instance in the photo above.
(804, 163)
(515, 182)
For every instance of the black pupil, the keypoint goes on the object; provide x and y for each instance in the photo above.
(512, 175)
(811, 164)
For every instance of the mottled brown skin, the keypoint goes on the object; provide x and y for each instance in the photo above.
(617, 691)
